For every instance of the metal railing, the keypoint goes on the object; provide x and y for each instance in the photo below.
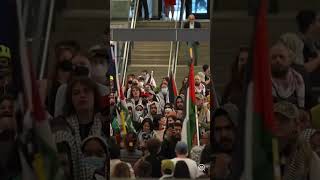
(37, 18)
(127, 44)
(174, 54)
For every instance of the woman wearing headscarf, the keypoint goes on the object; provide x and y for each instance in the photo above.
(95, 157)
(138, 116)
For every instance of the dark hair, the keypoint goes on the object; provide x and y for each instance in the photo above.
(163, 84)
(237, 77)
(72, 45)
(153, 145)
(304, 19)
(175, 103)
(205, 67)
(131, 75)
(147, 120)
(131, 137)
(167, 78)
(156, 120)
(168, 104)
(181, 170)
(144, 169)
(135, 87)
(153, 104)
(178, 124)
(218, 113)
(221, 112)
(103, 144)
(85, 81)
(122, 169)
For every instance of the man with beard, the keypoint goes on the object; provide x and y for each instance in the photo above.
(153, 110)
(224, 131)
(172, 136)
(179, 103)
(203, 113)
(199, 87)
(9, 162)
(287, 84)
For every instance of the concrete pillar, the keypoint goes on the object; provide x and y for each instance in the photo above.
(119, 9)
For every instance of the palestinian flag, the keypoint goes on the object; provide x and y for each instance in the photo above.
(173, 92)
(37, 149)
(259, 105)
(189, 124)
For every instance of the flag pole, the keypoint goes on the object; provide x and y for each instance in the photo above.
(248, 163)
(196, 107)
(197, 125)
(114, 58)
(276, 161)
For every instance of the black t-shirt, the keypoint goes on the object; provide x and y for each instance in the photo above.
(168, 149)
(310, 51)
(155, 162)
(85, 129)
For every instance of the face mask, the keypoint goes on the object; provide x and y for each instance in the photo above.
(140, 84)
(94, 162)
(164, 90)
(80, 70)
(65, 65)
(138, 114)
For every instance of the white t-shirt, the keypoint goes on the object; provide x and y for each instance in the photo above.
(191, 25)
(192, 166)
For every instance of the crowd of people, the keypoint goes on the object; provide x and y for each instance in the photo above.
(154, 123)
(86, 110)
(294, 60)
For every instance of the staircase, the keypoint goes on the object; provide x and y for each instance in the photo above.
(154, 56)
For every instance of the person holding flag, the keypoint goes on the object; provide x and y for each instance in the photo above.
(190, 124)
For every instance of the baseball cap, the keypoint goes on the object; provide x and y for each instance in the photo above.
(167, 164)
(5, 52)
(286, 109)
